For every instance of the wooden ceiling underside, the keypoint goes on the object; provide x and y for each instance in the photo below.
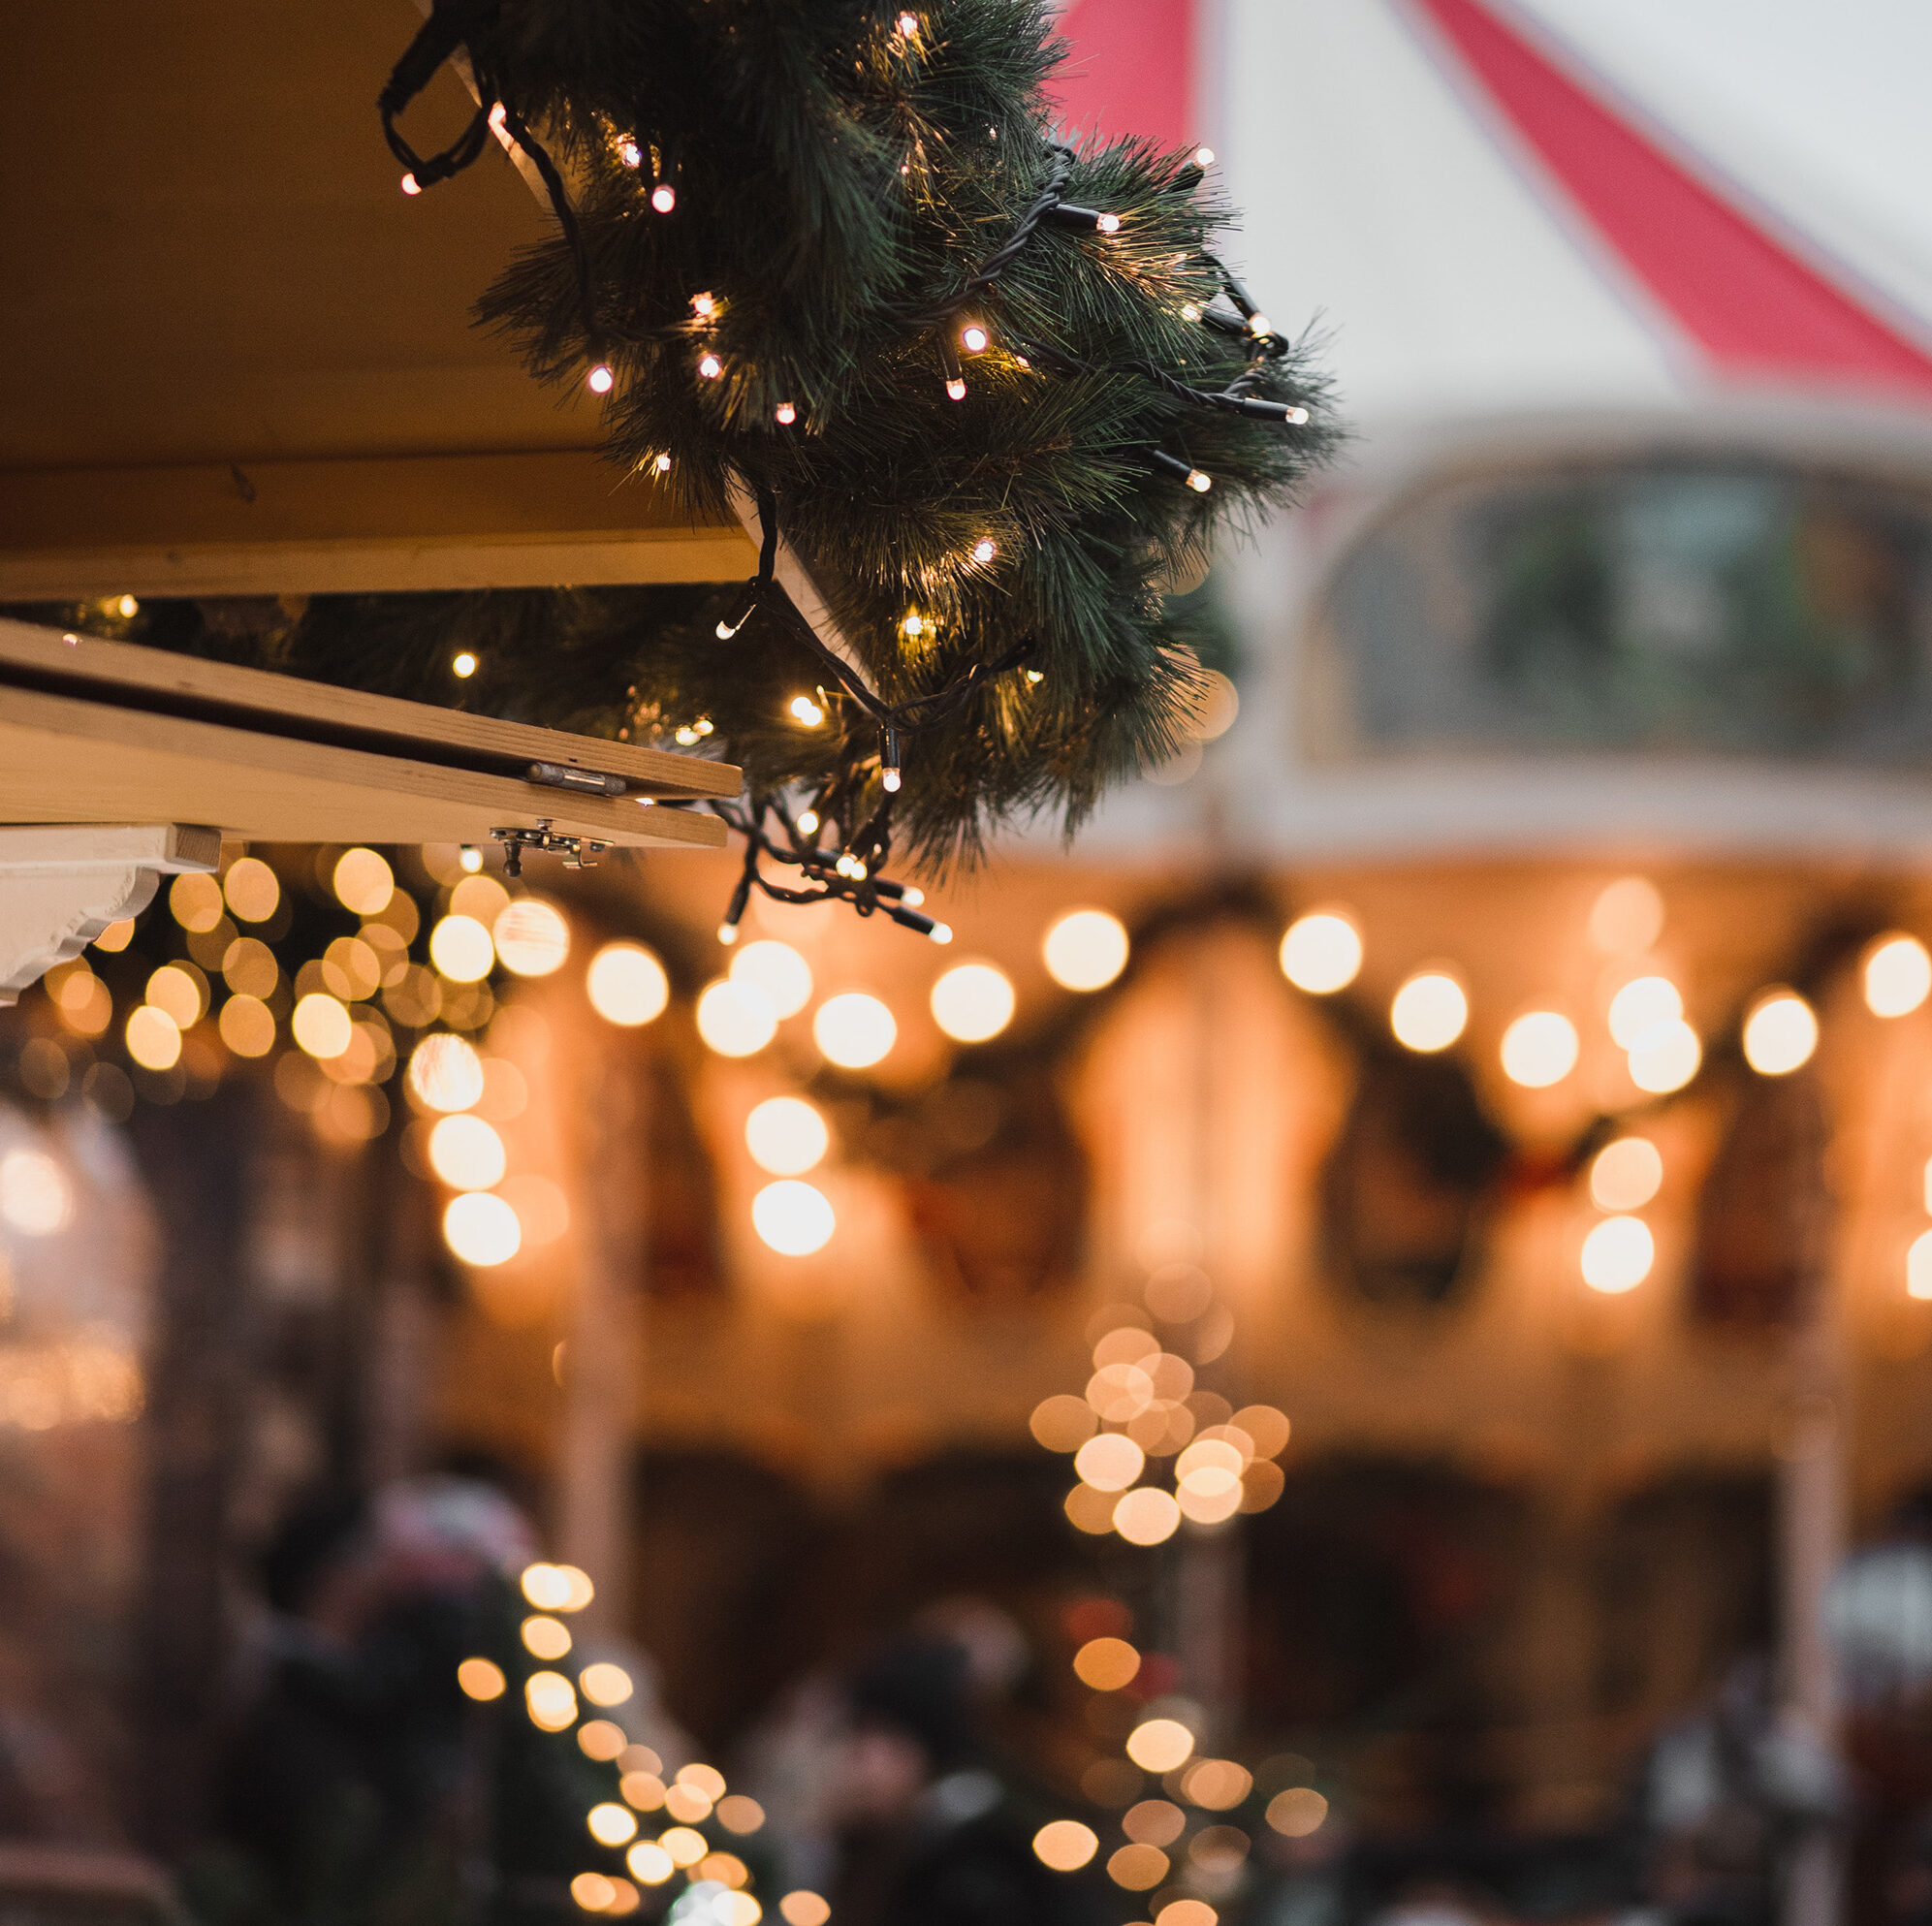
(236, 359)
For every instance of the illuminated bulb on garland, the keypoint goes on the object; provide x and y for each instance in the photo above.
(710, 367)
(1108, 224)
(914, 625)
(703, 306)
(1204, 157)
(664, 197)
(411, 185)
(598, 381)
(470, 857)
(985, 549)
(1198, 482)
(955, 389)
(629, 153)
(1189, 313)
(807, 711)
(808, 823)
(890, 779)
(785, 414)
(463, 665)
(940, 933)
(727, 934)
(908, 24)
(661, 463)
(974, 340)
(1259, 324)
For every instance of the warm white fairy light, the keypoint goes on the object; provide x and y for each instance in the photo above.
(703, 306)
(1321, 952)
(1190, 311)
(974, 338)
(1108, 224)
(463, 665)
(1198, 482)
(1540, 1049)
(630, 153)
(1618, 1255)
(908, 24)
(804, 708)
(955, 389)
(664, 197)
(1898, 977)
(710, 367)
(1204, 157)
(661, 462)
(1259, 324)
(1429, 1011)
(889, 781)
(808, 822)
(985, 549)
(784, 413)
(598, 381)
(1780, 1033)
(411, 185)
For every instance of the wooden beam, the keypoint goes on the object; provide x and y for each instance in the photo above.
(336, 526)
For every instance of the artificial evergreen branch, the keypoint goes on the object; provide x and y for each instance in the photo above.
(996, 392)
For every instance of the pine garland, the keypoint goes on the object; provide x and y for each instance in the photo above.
(781, 219)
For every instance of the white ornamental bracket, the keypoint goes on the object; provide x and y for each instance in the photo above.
(61, 884)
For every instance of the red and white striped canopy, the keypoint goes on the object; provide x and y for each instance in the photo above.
(1499, 206)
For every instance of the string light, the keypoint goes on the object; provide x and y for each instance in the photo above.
(974, 338)
(785, 414)
(703, 306)
(1780, 1033)
(1204, 157)
(661, 462)
(463, 666)
(985, 549)
(664, 197)
(710, 367)
(804, 708)
(411, 185)
(598, 381)
(908, 25)
(808, 822)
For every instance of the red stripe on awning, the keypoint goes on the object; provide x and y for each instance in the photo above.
(1130, 69)
(1755, 308)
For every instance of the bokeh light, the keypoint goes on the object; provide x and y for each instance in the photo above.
(735, 1018)
(1138, 1868)
(1780, 1033)
(1429, 1011)
(467, 1153)
(686, 1845)
(1641, 1003)
(363, 882)
(480, 1679)
(194, 900)
(1624, 1176)
(551, 1700)
(35, 1196)
(601, 1740)
(1665, 1056)
(1085, 949)
(247, 1027)
(649, 1862)
(531, 937)
(854, 1030)
(1626, 918)
(322, 1024)
(793, 1217)
(1540, 1049)
(803, 1908)
(1106, 1664)
(612, 1824)
(1321, 952)
(1110, 1462)
(1617, 1255)
(546, 1637)
(1064, 1846)
(1154, 1822)
(778, 970)
(445, 1072)
(1159, 1745)
(736, 1813)
(181, 989)
(1898, 977)
(252, 890)
(627, 985)
(1063, 1422)
(604, 1684)
(1146, 1516)
(1297, 1811)
(973, 1002)
(557, 1588)
(460, 948)
(154, 1038)
(592, 1891)
(482, 1229)
(786, 1135)
(1918, 1267)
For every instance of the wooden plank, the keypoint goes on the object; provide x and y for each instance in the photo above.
(440, 521)
(67, 760)
(411, 725)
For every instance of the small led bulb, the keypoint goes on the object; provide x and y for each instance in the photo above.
(411, 185)
(889, 780)
(985, 549)
(808, 823)
(1259, 324)
(463, 666)
(908, 24)
(703, 306)
(661, 463)
(663, 196)
(942, 932)
(1189, 313)
(785, 414)
(710, 367)
(598, 380)
(973, 339)
(914, 624)
(913, 897)
(727, 934)
(955, 389)
(1198, 482)
(470, 857)
(1109, 224)
(1036, 676)
(1204, 157)
(1295, 418)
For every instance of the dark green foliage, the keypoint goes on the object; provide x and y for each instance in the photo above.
(833, 174)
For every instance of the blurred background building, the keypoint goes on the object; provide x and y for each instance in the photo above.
(1482, 1090)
